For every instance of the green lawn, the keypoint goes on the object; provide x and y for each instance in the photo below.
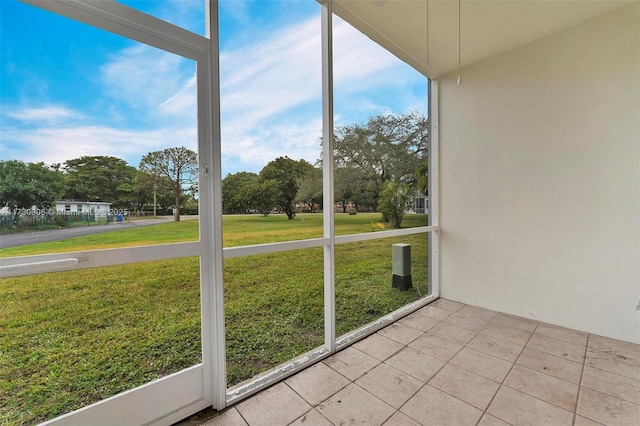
(68, 339)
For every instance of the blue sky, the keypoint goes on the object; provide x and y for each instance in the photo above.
(67, 89)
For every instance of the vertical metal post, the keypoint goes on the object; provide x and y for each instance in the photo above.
(328, 213)
(211, 265)
(434, 190)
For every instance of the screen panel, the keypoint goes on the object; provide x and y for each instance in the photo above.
(74, 338)
(380, 176)
(94, 139)
(270, 71)
(273, 310)
(83, 116)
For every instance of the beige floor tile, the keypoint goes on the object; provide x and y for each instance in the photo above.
(519, 408)
(465, 386)
(551, 365)
(317, 383)
(485, 365)
(496, 347)
(477, 312)
(583, 421)
(557, 347)
(614, 362)
(436, 346)
(399, 419)
(435, 312)
(561, 333)
(378, 346)
(419, 321)
(612, 384)
(606, 344)
(451, 332)
(415, 363)
(389, 384)
(275, 405)
(229, 417)
(431, 406)
(312, 418)
(514, 321)
(351, 363)
(509, 334)
(354, 405)
(449, 305)
(400, 333)
(542, 386)
(466, 322)
(489, 420)
(607, 409)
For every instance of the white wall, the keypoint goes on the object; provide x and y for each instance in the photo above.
(540, 179)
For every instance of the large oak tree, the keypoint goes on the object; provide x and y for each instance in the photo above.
(99, 178)
(286, 173)
(236, 193)
(388, 148)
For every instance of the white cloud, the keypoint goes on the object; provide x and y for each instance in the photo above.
(266, 90)
(183, 102)
(359, 62)
(151, 105)
(236, 9)
(284, 70)
(270, 98)
(188, 14)
(273, 75)
(253, 148)
(144, 77)
(45, 114)
(57, 144)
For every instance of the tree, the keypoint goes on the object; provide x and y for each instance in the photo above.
(177, 168)
(236, 195)
(263, 194)
(388, 148)
(24, 185)
(422, 177)
(145, 192)
(310, 188)
(99, 178)
(286, 173)
(352, 186)
(393, 201)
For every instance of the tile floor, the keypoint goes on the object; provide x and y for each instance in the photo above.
(456, 364)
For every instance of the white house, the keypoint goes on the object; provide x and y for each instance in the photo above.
(73, 207)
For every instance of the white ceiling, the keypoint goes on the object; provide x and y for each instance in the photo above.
(487, 27)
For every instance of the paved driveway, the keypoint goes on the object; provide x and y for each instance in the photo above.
(34, 237)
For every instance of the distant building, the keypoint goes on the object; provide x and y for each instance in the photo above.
(418, 204)
(99, 208)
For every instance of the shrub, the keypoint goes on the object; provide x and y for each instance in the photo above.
(393, 199)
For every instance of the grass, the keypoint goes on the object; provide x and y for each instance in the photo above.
(68, 339)
(72, 338)
(163, 233)
(238, 231)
